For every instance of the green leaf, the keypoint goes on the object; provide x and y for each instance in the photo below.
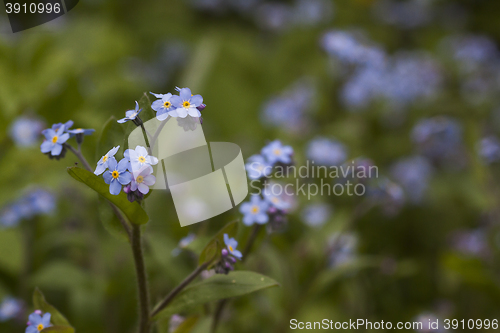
(112, 135)
(187, 325)
(214, 247)
(132, 210)
(59, 329)
(11, 242)
(41, 304)
(215, 288)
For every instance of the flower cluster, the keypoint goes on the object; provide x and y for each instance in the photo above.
(133, 171)
(228, 256)
(182, 105)
(10, 308)
(261, 166)
(37, 322)
(35, 202)
(54, 144)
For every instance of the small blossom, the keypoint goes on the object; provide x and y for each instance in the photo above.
(274, 199)
(132, 115)
(25, 131)
(326, 152)
(316, 215)
(41, 201)
(186, 104)
(162, 105)
(142, 180)
(10, 216)
(37, 323)
(257, 167)
(231, 244)
(275, 152)
(54, 141)
(79, 133)
(117, 175)
(102, 165)
(67, 125)
(255, 211)
(139, 158)
(10, 308)
(489, 149)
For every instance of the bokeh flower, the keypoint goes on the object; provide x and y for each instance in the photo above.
(186, 104)
(162, 105)
(37, 323)
(54, 140)
(489, 149)
(255, 211)
(275, 152)
(117, 175)
(231, 245)
(24, 131)
(103, 163)
(10, 308)
(327, 152)
(274, 197)
(316, 215)
(257, 167)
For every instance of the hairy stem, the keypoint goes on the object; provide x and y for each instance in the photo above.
(140, 270)
(166, 301)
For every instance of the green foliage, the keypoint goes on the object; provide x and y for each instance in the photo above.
(40, 303)
(59, 329)
(217, 287)
(132, 210)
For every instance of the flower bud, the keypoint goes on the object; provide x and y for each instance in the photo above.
(224, 253)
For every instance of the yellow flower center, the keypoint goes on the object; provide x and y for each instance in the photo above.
(277, 151)
(54, 138)
(230, 248)
(275, 200)
(255, 209)
(142, 159)
(105, 158)
(167, 104)
(40, 327)
(78, 129)
(115, 174)
(186, 104)
(140, 179)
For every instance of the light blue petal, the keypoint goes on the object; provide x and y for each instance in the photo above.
(46, 319)
(107, 177)
(136, 106)
(261, 218)
(157, 105)
(156, 95)
(99, 169)
(125, 178)
(112, 163)
(121, 121)
(126, 154)
(248, 220)
(115, 187)
(31, 329)
(113, 151)
(245, 208)
(46, 146)
(194, 112)
(129, 113)
(237, 254)
(35, 319)
(63, 138)
(49, 133)
(226, 239)
(197, 100)
(122, 165)
(182, 112)
(56, 150)
(176, 101)
(185, 94)
(162, 116)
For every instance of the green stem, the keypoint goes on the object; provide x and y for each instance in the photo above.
(140, 269)
(166, 301)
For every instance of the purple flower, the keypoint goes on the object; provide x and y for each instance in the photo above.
(162, 105)
(142, 180)
(54, 140)
(117, 175)
(37, 323)
(102, 165)
(131, 115)
(231, 244)
(25, 131)
(186, 104)
(255, 211)
(276, 152)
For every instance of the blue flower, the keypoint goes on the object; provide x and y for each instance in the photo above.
(326, 152)
(186, 104)
(316, 215)
(255, 211)
(142, 179)
(139, 158)
(117, 175)
(257, 167)
(41, 201)
(274, 199)
(131, 114)
(54, 140)
(183, 243)
(276, 152)
(10, 308)
(25, 131)
(37, 323)
(81, 131)
(162, 105)
(102, 165)
(489, 149)
(67, 125)
(10, 216)
(231, 244)
(413, 175)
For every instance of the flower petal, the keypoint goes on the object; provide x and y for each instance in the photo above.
(35, 319)
(162, 116)
(176, 101)
(181, 112)
(125, 178)
(122, 165)
(194, 112)
(56, 149)
(157, 105)
(197, 100)
(46, 319)
(112, 163)
(107, 177)
(63, 138)
(99, 169)
(46, 146)
(115, 187)
(141, 151)
(143, 188)
(185, 94)
(150, 180)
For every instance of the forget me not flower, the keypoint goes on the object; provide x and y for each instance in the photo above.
(102, 165)
(117, 175)
(37, 323)
(231, 244)
(276, 152)
(162, 105)
(257, 167)
(186, 104)
(54, 140)
(275, 200)
(10, 308)
(255, 211)
(131, 114)
(25, 131)
(81, 131)
(143, 179)
(139, 158)
(67, 125)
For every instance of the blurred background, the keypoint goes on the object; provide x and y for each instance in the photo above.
(411, 87)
